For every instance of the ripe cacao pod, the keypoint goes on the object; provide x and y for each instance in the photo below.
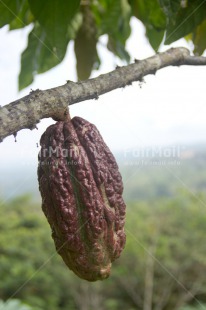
(81, 190)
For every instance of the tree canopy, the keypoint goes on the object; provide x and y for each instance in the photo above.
(161, 250)
(55, 23)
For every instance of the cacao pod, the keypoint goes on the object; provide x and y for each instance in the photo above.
(81, 190)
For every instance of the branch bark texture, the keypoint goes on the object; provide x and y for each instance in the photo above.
(29, 110)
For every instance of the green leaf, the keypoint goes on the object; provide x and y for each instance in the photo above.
(23, 18)
(185, 20)
(149, 12)
(117, 48)
(38, 57)
(85, 46)
(9, 10)
(153, 18)
(199, 39)
(170, 7)
(118, 13)
(154, 36)
(86, 55)
(55, 16)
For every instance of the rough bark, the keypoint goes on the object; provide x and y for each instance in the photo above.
(29, 110)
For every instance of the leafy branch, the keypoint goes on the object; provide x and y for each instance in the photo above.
(56, 23)
(29, 110)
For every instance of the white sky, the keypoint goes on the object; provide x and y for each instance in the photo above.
(170, 108)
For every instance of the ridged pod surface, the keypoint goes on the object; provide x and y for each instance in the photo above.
(81, 190)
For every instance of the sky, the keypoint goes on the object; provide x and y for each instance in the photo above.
(168, 109)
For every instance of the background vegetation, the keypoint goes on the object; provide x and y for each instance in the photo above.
(162, 267)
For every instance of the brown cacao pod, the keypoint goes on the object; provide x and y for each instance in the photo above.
(81, 190)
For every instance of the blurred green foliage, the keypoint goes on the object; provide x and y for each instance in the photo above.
(163, 265)
(148, 178)
(197, 307)
(14, 304)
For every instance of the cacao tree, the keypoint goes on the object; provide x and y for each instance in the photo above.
(55, 24)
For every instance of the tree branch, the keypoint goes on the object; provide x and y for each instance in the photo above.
(29, 110)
